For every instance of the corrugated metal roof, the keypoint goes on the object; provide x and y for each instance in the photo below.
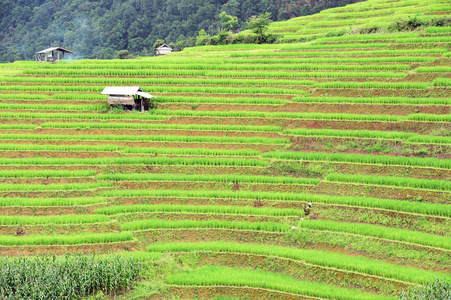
(53, 49)
(125, 91)
(145, 95)
(164, 46)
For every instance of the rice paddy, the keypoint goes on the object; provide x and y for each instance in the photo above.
(211, 186)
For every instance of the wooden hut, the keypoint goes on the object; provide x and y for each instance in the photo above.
(131, 97)
(53, 54)
(164, 49)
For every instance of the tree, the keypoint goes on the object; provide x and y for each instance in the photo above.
(228, 21)
(157, 44)
(259, 25)
(122, 54)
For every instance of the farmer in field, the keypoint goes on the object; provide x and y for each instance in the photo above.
(307, 208)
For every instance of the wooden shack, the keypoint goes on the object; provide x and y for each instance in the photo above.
(164, 49)
(131, 97)
(53, 54)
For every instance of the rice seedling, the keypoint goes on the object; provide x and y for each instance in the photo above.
(54, 187)
(80, 116)
(225, 276)
(341, 261)
(239, 210)
(362, 159)
(210, 224)
(375, 100)
(141, 126)
(383, 232)
(57, 220)
(45, 173)
(215, 178)
(287, 115)
(148, 138)
(72, 239)
(437, 29)
(136, 150)
(134, 161)
(378, 203)
(43, 202)
(431, 184)
(442, 82)
(372, 85)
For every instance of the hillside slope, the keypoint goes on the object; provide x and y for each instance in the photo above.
(211, 186)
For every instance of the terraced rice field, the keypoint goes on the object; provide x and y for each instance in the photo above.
(217, 177)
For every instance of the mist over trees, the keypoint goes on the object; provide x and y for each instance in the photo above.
(100, 29)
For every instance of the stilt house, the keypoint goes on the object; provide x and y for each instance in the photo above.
(53, 54)
(131, 97)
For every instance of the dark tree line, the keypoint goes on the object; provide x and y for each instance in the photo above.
(99, 29)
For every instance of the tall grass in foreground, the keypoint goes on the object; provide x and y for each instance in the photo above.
(389, 233)
(396, 205)
(322, 258)
(224, 276)
(73, 239)
(66, 277)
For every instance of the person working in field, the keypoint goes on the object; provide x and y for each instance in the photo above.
(307, 208)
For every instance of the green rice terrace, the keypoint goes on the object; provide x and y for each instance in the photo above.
(210, 189)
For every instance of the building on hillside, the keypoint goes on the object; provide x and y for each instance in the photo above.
(130, 97)
(164, 49)
(53, 54)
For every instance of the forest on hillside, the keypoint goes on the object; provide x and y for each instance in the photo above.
(99, 29)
